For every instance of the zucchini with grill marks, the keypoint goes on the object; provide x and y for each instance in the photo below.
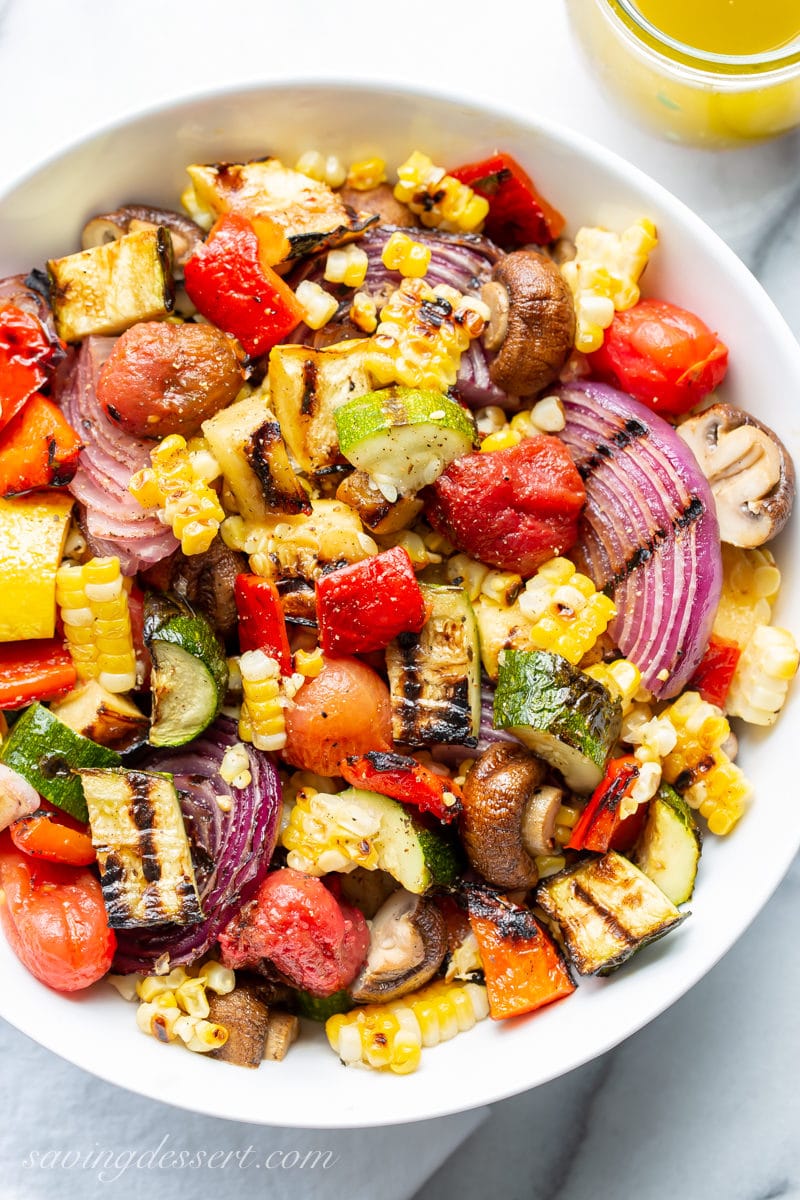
(142, 849)
(247, 443)
(110, 287)
(435, 675)
(604, 911)
(190, 672)
(563, 715)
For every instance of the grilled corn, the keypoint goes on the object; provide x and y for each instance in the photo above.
(94, 608)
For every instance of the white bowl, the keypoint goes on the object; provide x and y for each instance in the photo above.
(143, 160)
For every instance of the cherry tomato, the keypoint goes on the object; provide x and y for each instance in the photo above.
(511, 509)
(54, 919)
(296, 922)
(662, 355)
(344, 711)
(43, 835)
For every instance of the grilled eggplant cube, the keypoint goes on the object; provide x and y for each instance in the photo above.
(435, 675)
(247, 443)
(306, 386)
(110, 287)
(143, 852)
(308, 216)
(605, 910)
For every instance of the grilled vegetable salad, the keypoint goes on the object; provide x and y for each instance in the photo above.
(374, 601)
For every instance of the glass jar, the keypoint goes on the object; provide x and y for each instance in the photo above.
(689, 94)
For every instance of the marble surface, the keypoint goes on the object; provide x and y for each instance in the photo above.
(702, 1104)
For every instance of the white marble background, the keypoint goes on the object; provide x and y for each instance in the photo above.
(701, 1105)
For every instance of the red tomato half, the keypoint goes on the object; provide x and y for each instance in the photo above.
(662, 355)
(54, 919)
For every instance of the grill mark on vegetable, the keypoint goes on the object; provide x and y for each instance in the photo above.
(382, 761)
(630, 431)
(309, 398)
(619, 931)
(258, 452)
(143, 815)
(642, 554)
(512, 922)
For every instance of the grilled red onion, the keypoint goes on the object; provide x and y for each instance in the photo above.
(113, 521)
(648, 535)
(230, 850)
(463, 261)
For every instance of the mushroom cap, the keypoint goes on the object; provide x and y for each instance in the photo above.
(540, 325)
(379, 201)
(749, 469)
(109, 227)
(408, 941)
(495, 794)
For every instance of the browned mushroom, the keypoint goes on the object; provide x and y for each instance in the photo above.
(282, 1030)
(377, 514)
(206, 582)
(109, 227)
(749, 469)
(407, 944)
(509, 815)
(532, 324)
(246, 1019)
(380, 200)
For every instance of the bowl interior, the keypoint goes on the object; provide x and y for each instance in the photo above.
(144, 160)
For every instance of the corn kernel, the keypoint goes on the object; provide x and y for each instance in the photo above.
(440, 200)
(318, 305)
(401, 253)
(366, 174)
(347, 265)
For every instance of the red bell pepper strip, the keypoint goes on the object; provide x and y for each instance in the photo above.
(716, 669)
(518, 214)
(231, 284)
(363, 606)
(523, 968)
(600, 819)
(34, 670)
(38, 449)
(25, 349)
(44, 835)
(262, 625)
(404, 779)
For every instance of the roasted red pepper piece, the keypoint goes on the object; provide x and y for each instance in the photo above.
(662, 355)
(231, 284)
(513, 508)
(25, 350)
(518, 214)
(523, 968)
(405, 779)
(44, 835)
(294, 920)
(600, 819)
(35, 670)
(716, 669)
(363, 606)
(262, 625)
(38, 449)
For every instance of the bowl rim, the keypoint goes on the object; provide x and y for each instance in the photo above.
(595, 153)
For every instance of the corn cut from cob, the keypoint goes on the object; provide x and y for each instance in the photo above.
(94, 608)
(175, 486)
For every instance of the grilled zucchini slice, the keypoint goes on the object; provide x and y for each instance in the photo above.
(403, 437)
(143, 852)
(668, 849)
(190, 671)
(561, 714)
(110, 287)
(46, 752)
(104, 717)
(604, 911)
(308, 216)
(435, 675)
(247, 443)
(306, 386)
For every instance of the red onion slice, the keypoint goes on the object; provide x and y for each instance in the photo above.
(648, 536)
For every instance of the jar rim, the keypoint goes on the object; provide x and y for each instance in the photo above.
(776, 58)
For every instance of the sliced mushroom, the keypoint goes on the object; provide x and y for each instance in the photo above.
(247, 1020)
(532, 323)
(381, 201)
(282, 1030)
(109, 227)
(206, 582)
(509, 815)
(407, 945)
(749, 469)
